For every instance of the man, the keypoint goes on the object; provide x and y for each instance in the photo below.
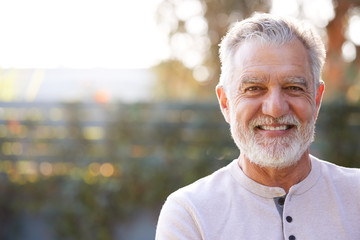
(270, 93)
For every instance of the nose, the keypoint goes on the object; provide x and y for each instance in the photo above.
(275, 104)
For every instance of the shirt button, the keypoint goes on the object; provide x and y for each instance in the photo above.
(281, 201)
(292, 237)
(289, 219)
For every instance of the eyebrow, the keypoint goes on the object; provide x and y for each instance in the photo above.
(263, 79)
(296, 80)
(253, 79)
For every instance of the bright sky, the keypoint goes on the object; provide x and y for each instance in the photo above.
(80, 34)
(106, 33)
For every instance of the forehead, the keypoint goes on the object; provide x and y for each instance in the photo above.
(253, 57)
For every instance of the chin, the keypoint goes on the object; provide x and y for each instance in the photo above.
(275, 163)
(278, 152)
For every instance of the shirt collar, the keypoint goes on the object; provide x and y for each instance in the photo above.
(272, 192)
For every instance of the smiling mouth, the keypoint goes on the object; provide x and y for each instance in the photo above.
(275, 128)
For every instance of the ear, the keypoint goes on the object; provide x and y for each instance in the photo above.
(318, 97)
(223, 102)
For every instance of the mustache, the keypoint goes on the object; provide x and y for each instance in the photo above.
(267, 120)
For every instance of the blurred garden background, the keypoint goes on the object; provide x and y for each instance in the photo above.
(106, 107)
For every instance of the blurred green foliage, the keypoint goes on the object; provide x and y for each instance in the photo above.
(153, 148)
(150, 150)
(194, 29)
(194, 37)
(84, 168)
(338, 133)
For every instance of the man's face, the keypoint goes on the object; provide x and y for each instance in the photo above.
(271, 103)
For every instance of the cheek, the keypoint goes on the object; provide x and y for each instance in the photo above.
(244, 111)
(304, 110)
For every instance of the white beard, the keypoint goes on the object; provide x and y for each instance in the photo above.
(274, 152)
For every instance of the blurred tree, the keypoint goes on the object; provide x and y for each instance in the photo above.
(154, 148)
(195, 28)
(175, 82)
(342, 72)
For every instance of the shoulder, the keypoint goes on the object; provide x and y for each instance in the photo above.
(338, 172)
(212, 186)
(337, 175)
(182, 213)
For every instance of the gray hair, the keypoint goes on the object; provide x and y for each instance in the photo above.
(271, 29)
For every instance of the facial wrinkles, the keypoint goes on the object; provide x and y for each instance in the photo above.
(238, 92)
(263, 75)
(308, 85)
(272, 70)
(257, 61)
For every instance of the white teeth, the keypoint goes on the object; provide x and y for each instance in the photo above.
(270, 128)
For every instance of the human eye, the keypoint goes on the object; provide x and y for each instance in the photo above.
(252, 85)
(252, 88)
(295, 84)
(295, 88)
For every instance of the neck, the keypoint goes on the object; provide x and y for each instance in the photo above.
(274, 177)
